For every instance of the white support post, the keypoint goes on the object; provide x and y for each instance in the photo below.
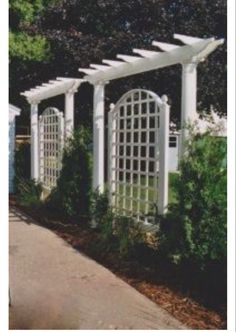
(111, 154)
(34, 141)
(188, 99)
(98, 137)
(163, 178)
(69, 114)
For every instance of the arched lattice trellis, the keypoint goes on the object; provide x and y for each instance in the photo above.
(51, 142)
(138, 141)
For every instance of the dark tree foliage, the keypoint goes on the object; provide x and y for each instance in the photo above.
(81, 32)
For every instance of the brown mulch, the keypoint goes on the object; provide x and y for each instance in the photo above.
(162, 283)
(183, 307)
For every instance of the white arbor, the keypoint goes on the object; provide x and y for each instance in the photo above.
(193, 51)
(66, 86)
(189, 55)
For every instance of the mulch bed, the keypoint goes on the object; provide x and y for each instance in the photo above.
(164, 283)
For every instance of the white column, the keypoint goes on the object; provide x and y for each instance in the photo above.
(98, 137)
(163, 178)
(34, 141)
(69, 114)
(188, 99)
(111, 154)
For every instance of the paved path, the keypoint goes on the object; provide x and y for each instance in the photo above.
(55, 287)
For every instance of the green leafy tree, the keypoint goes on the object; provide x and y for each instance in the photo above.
(24, 42)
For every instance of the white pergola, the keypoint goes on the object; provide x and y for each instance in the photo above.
(193, 51)
(66, 86)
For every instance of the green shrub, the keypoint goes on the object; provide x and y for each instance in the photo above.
(128, 233)
(73, 192)
(22, 165)
(29, 192)
(117, 232)
(196, 226)
(99, 206)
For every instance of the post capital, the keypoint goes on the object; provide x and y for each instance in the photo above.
(33, 102)
(189, 66)
(72, 91)
(101, 83)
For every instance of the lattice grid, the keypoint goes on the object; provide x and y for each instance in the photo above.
(51, 142)
(133, 154)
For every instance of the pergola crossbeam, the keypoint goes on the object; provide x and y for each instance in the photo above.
(195, 51)
(51, 89)
(209, 49)
(187, 40)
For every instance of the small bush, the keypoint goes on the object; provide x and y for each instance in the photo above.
(196, 226)
(22, 165)
(99, 206)
(128, 234)
(29, 192)
(73, 192)
(117, 232)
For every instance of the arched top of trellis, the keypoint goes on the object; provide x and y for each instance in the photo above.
(53, 88)
(193, 50)
(51, 111)
(136, 95)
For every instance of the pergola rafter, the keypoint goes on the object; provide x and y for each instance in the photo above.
(194, 50)
(51, 89)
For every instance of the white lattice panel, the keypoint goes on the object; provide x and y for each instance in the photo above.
(51, 142)
(134, 154)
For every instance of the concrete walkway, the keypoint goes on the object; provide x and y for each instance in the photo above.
(55, 287)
